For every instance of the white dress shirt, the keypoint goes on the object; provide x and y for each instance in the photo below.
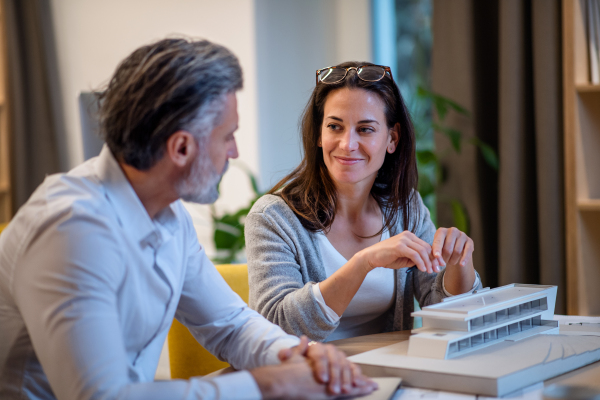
(376, 294)
(89, 286)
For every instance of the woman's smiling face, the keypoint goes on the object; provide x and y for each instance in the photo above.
(355, 136)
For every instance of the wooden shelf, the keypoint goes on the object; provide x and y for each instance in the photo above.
(582, 164)
(587, 88)
(589, 205)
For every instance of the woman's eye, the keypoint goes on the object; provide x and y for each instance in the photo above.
(366, 129)
(333, 126)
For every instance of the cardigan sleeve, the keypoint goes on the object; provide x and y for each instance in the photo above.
(280, 285)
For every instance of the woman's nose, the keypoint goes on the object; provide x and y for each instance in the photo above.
(349, 141)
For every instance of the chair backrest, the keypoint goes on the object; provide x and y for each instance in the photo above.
(186, 356)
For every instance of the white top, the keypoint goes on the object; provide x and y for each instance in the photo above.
(374, 297)
(89, 286)
(363, 316)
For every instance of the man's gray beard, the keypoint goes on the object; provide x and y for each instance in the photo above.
(201, 185)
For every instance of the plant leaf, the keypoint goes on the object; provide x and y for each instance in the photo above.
(425, 186)
(425, 157)
(441, 103)
(451, 104)
(441, 110)
(224, 239)
(254, 183)
(429, 202)
(454, 135)
(461, 220)
(488, 153)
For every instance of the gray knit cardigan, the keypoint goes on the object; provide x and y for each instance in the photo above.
(284, 262)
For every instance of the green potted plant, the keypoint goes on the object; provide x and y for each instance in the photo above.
(428, 157)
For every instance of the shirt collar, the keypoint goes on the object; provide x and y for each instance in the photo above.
(132, 214)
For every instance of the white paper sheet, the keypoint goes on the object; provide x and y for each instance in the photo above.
(575, 319)
(423, 394)
(533, 392)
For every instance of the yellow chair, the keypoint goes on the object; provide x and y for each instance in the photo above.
(186, 356)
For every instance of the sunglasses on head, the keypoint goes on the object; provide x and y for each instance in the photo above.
(368, 73)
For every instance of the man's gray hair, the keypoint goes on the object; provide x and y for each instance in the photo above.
(170, 85)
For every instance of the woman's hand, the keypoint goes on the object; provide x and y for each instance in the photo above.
(401, 251)
(452, 247)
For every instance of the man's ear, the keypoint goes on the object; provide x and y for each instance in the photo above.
(394, 138)
(181, 148)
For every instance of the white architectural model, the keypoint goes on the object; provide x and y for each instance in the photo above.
(469, 322)
(489, 343)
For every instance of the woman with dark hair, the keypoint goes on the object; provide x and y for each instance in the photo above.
(332, 249)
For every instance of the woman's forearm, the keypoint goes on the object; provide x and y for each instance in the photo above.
(459, 279)
(339, 289)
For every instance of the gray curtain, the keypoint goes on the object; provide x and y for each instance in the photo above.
(35, 112)
(501, 59)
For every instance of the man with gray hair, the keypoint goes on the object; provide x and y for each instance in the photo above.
(98, 262)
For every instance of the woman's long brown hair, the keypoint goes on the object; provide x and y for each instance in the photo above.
(309, 190)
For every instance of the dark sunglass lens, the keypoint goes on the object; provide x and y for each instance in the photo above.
(371, 73)
(332, 75)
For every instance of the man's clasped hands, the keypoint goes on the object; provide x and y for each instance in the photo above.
(332, 373)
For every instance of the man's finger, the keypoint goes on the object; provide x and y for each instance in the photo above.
(303, 346)
(346, 366)
(357, 376)
(319, 360)
(284, 354)
(335, 378)
(300, 350)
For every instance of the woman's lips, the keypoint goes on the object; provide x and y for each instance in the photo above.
(347, 160)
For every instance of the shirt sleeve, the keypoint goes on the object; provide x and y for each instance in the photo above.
(221, 321)
(67, 290)
(331, 315)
